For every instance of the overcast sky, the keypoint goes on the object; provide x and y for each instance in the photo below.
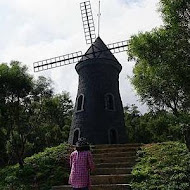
(32, 30)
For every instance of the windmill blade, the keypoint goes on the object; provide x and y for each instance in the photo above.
(88, 22)
(76, 57)
(57, 61)
(118, 46)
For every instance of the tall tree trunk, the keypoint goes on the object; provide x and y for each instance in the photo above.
(21, 162)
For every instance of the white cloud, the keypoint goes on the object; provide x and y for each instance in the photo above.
(33, 30)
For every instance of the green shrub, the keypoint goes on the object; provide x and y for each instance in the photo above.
(44, 169)
(162, 166)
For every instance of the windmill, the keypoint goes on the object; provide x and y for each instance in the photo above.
(98, 114)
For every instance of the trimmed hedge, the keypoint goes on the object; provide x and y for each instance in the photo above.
(162, 166)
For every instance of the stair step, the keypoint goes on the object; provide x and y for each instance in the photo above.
(111, 187)
(114, 159)
(114, 150)
(115, 165)
(115, 154)
(98, 187)
(109, 155)
(107, 171)
(111, 179)
(103, 146)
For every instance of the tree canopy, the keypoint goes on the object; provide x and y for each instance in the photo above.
(32, 117)
(162, 70)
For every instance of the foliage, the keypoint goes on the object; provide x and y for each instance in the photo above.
(162, 72)
(164, 166)
(151, 127)
(15, 86)
(53, 121)
(31, 116)
(185, 125)
(42, 170)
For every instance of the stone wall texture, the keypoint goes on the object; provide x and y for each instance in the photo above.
(98, 77)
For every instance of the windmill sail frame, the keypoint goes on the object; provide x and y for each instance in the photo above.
(88, 22)
(90, 36)
(77, 56)
(57, 61)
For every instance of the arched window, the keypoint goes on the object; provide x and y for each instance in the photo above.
(109, 102)
(76, 136)
(80, 103)
(113, 136)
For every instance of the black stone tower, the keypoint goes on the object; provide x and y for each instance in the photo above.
(98, 113)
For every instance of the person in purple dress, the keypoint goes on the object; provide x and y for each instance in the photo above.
(81, 163)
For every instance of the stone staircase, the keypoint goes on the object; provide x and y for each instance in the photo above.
(113, 167)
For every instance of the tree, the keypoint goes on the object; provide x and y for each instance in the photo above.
(16, 86)
(151, 127)
(30, 113)
(162, 70)
(52, 121)
(132, 122)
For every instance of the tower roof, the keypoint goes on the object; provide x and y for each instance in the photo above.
(98, 50)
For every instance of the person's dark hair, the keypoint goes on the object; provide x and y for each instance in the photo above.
(83, 148)
(82, 145)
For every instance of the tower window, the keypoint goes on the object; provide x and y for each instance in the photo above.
(76, 136)
(109, 102)
(80, 103)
